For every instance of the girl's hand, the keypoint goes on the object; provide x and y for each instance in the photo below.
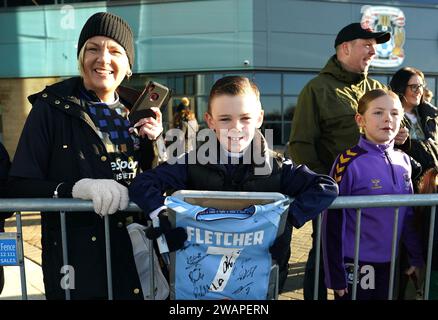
(341, 292)
(413, 271)
(401, 136)
(150, 127)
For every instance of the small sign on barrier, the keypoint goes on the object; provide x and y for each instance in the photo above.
(8, 249)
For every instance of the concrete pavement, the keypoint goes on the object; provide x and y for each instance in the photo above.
(34, 281)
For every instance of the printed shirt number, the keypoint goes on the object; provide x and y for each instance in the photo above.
(229, 257)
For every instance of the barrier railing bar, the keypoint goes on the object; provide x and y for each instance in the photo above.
(356, 253)
(70, 205)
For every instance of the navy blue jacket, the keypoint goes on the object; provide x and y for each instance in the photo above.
(59, 143)
(312, 192)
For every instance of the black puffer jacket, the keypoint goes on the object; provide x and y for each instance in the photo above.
(58, 144)
(424, 151)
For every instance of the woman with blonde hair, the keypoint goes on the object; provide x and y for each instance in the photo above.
(78, 143)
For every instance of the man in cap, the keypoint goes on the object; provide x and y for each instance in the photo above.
(323, 125)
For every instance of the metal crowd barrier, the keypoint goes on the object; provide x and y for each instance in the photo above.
(358, 202)
(396, 201)
(62, 206)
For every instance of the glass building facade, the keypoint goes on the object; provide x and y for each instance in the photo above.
(279, 94)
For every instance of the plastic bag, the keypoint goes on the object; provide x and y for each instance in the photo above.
(142, 248)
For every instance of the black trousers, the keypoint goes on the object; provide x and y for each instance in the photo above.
(379, 279)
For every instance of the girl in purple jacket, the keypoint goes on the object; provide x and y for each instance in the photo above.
(372, 167)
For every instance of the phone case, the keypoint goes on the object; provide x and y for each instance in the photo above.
(154, 95)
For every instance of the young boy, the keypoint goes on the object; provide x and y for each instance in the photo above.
(235, 115)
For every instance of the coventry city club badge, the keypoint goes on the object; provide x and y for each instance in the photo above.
(389, 19)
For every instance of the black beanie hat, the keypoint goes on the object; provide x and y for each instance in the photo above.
(111, 26)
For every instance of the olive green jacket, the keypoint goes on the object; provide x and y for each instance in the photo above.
(323, 124)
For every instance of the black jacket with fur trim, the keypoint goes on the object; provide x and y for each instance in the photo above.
(59, 144)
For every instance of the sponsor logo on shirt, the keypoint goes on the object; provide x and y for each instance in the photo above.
(375, 184)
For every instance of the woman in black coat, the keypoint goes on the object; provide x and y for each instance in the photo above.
(421, 117)
(77, 142)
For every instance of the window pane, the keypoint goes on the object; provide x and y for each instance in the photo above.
(289, 104)
(139, 81)
(382, 79)
(242, 74)
(204, 82)
(268, 83)
(201, 108)
(17, 3)
(294, 83)
(136, 82)
(179, 85)
(272, 107)
(431, 83)
(275, 133)
(286, 133)
(189, 85)
(216, 77)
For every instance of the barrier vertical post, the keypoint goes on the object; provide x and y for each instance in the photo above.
(21, 257)
(64, 248)
(317, 258)
(356, 253)
(429, 252)
(393, 253)
(108, 259)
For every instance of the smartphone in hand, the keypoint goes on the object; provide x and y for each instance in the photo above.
(154, 95)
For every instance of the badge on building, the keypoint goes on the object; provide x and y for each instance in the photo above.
(390, 19)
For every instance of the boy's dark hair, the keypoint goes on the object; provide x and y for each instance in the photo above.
(232, 86)
(400, 80)
(373, 95)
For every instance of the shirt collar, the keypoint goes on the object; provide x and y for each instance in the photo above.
(371, 146)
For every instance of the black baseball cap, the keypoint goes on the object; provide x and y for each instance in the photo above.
(355, 31)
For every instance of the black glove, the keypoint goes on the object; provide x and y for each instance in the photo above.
(277, 250)
(175, 237)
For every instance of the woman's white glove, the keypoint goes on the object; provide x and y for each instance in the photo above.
(108, 195)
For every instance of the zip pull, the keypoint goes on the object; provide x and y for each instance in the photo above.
(55, 193)
(392, 169)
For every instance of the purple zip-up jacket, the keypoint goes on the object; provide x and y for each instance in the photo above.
(368, 169)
